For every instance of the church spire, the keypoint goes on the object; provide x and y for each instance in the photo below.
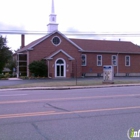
(53, 7)
(52, 26)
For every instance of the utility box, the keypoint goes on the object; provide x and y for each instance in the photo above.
(108, 74)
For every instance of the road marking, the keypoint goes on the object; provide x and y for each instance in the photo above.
(34, 114)
(13, 95)
(73, 98)
(25, 114)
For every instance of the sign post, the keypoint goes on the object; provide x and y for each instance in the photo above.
(108, 74)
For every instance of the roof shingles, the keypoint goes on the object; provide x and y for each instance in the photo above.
(30, 45)
(94, 45)
(107, 46)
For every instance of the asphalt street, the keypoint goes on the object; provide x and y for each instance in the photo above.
(78, 114)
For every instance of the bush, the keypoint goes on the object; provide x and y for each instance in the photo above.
(38, 68)
(24, 77)
(7, 75)
(1, 76)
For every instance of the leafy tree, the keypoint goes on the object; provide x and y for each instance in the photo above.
(5, 53)
(38, 68)
(11, 64)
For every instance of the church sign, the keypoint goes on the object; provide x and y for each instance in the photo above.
(108, 74)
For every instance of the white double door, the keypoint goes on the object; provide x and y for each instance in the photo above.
(60, 68)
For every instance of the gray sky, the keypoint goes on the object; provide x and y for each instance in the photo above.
(97, 16)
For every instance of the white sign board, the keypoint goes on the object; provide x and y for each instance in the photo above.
(108, 73)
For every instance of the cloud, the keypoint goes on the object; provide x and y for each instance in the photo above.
(9, 31)
(72, 32)
(10, 28)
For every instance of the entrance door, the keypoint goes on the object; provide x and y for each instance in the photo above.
(60, 68)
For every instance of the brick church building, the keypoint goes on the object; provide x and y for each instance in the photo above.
(66, 57)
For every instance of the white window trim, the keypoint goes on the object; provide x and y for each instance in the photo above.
(115, 60)
(129, 60)
(56, 44)
(85, 59)
(99, 60)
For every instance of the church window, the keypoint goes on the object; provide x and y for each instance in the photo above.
(114, 60)
(60, 61)
(84, 59)
(56, 40)
(127, 60)
(99, 60)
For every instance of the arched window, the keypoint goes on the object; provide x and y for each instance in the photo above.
(60, 61)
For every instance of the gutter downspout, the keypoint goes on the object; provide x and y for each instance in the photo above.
(28, 64)
(17, 65)
(117, 63)
(48, 70)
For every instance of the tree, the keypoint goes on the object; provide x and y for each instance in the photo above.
(5, 53)
(38, 68)
(11, 64)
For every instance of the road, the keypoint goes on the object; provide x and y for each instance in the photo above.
(80, 114)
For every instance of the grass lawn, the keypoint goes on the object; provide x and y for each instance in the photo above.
(73, 82)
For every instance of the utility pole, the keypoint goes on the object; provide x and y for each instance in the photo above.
(76, 71)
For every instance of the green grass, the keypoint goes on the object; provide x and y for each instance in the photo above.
(62, 83)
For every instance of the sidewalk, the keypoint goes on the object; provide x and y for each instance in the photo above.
(14, 79)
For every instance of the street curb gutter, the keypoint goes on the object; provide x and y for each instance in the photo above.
(70, 87)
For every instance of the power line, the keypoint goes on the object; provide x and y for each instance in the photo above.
(19, 32)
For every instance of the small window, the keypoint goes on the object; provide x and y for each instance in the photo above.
(127, 60)
(84, 59)
(114, 60)
(53, 19)
(59, 61)
(99, 60)
(56, 40)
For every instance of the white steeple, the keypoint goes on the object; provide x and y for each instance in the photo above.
(52, 26)
(53, 7)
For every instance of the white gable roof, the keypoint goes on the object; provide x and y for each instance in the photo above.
(55, 53)
(47, 36)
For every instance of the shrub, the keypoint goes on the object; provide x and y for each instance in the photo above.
(1, 76)
(38, 68)
(7, 75)
(23, 77)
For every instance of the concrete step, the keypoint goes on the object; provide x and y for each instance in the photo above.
(14, 79)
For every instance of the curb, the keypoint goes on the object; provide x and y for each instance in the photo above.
(70, 87)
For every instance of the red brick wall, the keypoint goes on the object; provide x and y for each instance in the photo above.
(46, 48)
(67, 61)
(92, 63)
(73, 68)
(107, 60)
(134, 64)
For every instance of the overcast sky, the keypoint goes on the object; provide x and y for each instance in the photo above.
(97, 16)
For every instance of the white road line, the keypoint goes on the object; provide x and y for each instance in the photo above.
(13, 95)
